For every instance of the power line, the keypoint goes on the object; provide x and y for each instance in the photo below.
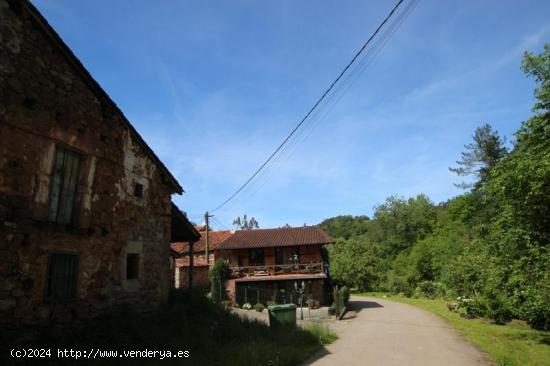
(341, 90)
(327, 91)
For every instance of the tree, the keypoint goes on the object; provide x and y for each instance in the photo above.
(355, 262)
(480, 156)
(245, 224)
(538, 66)
(345, 226)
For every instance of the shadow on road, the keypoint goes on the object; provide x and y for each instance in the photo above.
(316, 356)
(358, 305)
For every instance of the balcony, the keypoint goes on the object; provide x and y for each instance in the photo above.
(275, 270)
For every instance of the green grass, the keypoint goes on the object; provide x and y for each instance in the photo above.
(213, 336)
(514, 344)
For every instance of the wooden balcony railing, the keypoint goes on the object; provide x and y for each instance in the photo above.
(276, 269)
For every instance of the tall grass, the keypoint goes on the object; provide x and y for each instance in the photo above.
(211, 334)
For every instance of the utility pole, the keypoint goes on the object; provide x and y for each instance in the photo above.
(206, 217)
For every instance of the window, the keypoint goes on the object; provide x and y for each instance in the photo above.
(279, 258)
(256, 257)
(62, 277)
(63, 185)
(295, 255)
(132, 266)
(138, 190)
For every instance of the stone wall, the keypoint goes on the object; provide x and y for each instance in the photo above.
(46, 101)
(200, 277)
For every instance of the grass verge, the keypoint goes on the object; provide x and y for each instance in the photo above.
(211, 334)
(514, 344)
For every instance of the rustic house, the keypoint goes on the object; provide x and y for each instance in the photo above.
(85, 210)
(191, 263)
(271, 262)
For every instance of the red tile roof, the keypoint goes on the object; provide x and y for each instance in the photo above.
(263, 238)
(197, 262)
(215, 238)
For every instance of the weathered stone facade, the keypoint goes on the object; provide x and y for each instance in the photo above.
(121, 203)
(200, 277)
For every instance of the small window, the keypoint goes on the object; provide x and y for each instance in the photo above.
(132, 266)
(256, 257)
(138, 190)
(63, 185)
(62, 277)
(279, 257)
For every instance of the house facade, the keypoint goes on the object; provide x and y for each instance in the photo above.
(85, 209)
(271, 264)
(199, 265)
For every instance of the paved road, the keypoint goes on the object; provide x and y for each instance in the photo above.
(386, 333)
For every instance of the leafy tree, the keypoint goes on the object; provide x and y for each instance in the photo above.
(354, 262)
(399, 223)
(245, 224)
(346, 226)
(480, 156)
(538, 67)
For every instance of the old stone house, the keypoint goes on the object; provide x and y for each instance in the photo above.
(85, 209)
(192, 257)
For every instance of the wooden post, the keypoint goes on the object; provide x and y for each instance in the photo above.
(190, 277)
(206, 217)
(336, 301)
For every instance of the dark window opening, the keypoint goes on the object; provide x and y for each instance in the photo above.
(256, 257)
(138, 190)
(62, 277)
(279, 258)
(132, 266)
(64, 181)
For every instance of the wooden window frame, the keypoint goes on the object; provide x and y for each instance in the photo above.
(59, 210)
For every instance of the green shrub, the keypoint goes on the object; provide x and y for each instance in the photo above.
(312, 303)
(430, 290)
(259, 307)
(218, 275)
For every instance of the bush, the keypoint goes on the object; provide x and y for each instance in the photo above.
(259, 307)
(218, 275)
(247, 306)
(498, 307)
(312, 303)
(430, 290)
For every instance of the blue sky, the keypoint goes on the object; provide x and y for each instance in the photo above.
(214, 87)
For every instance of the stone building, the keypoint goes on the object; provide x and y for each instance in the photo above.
(199, 266)
(85, 209)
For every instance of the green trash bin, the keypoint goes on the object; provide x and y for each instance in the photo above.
(282, 315)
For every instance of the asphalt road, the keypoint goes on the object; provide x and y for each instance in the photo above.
(386, 333)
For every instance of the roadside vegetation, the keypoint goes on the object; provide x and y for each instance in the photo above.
(486, 251)
(515, 344)
(489, 247)
(211, 334)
